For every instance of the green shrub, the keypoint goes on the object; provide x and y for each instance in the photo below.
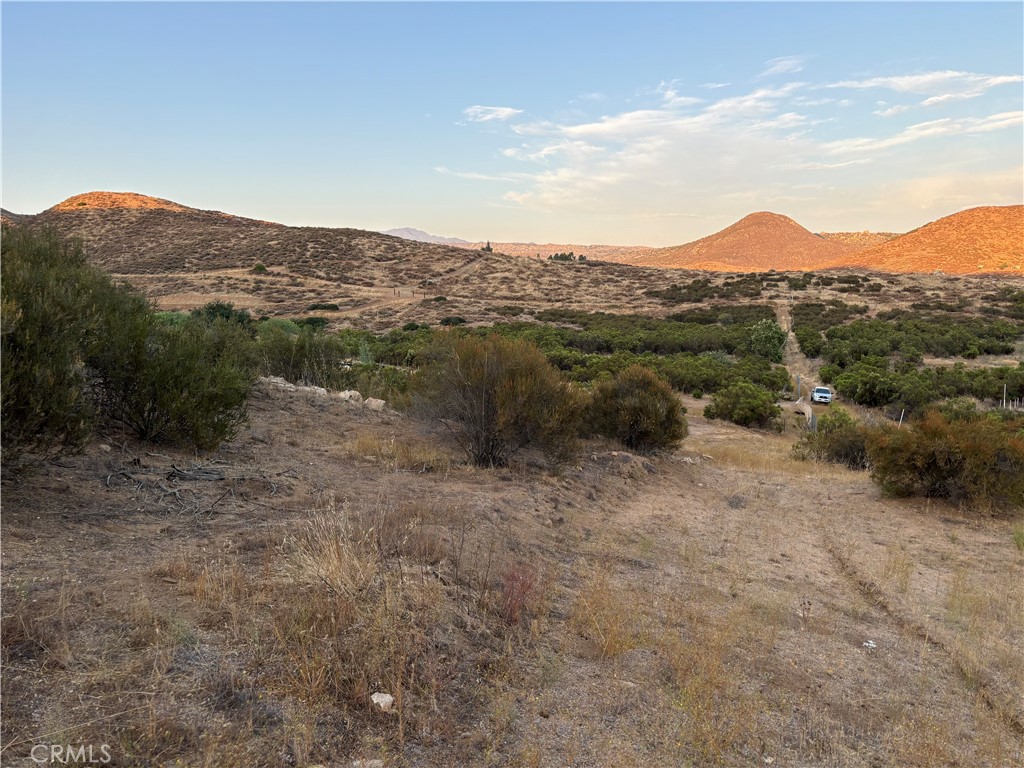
(323, 306)
(497, 396)
(978, 462)
(258, 269)
(767, 340)
(179, 383)
(837, 439)
(639, 409)
(225, 311)
(47, 313)
(302, 356)
(77, 347)
(745, 404)
(453, 320)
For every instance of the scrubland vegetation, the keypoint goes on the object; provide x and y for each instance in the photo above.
(486, 553)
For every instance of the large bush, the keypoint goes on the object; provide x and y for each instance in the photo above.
(837, 439)
(745, 404)
(76, 348)
(47, 312)
(185, 383)
(639, 409)
(497, 396)
(977, 461)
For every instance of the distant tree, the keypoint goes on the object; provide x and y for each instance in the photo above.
(487, 248)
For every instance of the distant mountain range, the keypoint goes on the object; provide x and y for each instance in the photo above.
(409, 233)
(130, 232)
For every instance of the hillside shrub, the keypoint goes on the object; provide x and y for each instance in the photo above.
(497, 396)
(177, 383)
(76, 348)
(47, 311)
(978, 462)
(639, 409)
(452, 320)
(223, 310)
(838, 439)
(745, 404)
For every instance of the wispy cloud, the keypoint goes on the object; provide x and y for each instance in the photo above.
(475, 176)
(783, 65)
(940, 86)
(930, 129)
(714, 85)
(679, 156)
(479, 114)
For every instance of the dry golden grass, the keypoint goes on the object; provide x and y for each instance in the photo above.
(400, 453)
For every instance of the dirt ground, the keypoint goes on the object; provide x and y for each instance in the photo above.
(725, 605)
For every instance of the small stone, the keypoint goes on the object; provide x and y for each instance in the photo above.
(375, 404)
(384, 701)
(105, 448)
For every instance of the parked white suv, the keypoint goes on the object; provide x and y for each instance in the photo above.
(821, 395)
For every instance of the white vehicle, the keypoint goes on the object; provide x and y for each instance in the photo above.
(821, 395)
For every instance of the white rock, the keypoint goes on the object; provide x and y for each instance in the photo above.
(349, 395)
(384, 701)
(374, 404)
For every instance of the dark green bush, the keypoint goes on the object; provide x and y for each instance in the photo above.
(259, 269)
(979, 462)
(837, 439)
(323, 306)
(497, 396)
(225, 311)
(48, 312)
(76, 347)
(745, 404)
(179, 383)
(639, 409)
(453, 320)
(302, 356)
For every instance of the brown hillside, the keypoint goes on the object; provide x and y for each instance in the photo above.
(978, 240)
(132, 234)
(604, 252)
(757, 242)
(131, 200)
(860, 239)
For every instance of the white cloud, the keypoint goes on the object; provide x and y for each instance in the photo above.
(940, 86)
(479, 114)
(783, 65)
(895, 109)
(932, 128)
(764, 148)
(714, 85)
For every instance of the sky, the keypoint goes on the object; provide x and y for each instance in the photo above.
(650, 124)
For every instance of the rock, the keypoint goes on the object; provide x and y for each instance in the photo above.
(349, 395)
(105, 448)
(374, 404)
(384, 701)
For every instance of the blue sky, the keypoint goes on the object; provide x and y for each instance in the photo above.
(572, 122)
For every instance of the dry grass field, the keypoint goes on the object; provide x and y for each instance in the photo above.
(723, 606)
